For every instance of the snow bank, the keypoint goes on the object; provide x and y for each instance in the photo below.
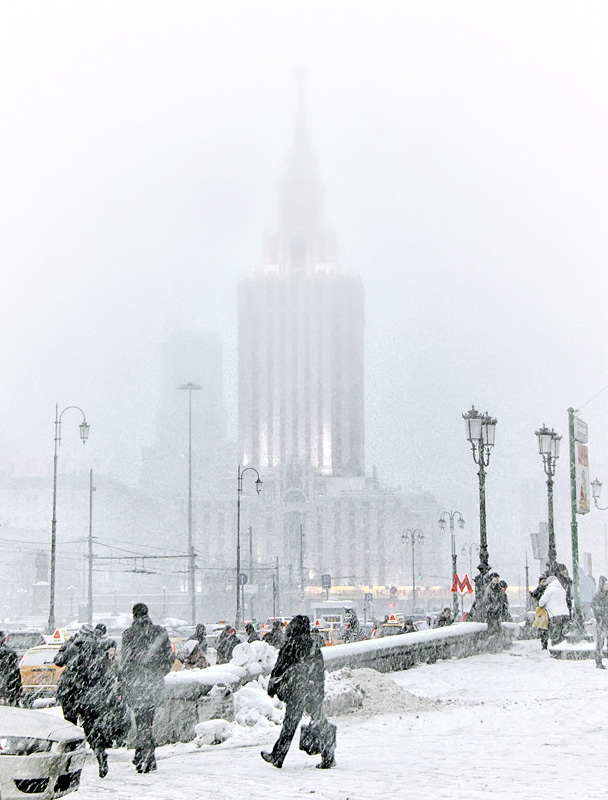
(369, 692)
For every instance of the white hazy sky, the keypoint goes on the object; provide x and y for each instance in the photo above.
(463, 149)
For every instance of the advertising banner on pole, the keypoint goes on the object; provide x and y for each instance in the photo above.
(583, 493)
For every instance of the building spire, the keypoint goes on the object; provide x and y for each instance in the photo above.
(301, 153)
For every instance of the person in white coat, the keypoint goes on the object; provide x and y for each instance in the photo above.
(553, 599)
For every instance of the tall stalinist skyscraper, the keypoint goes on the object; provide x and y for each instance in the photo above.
(301, 338)
(301, 424)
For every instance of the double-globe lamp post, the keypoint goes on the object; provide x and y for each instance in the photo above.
(84, 435)
(548, 447)
(451, 516)
(413, 536)
(239, 492)
(481, 432)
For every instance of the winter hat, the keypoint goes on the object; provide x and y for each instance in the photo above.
(493, 575)
(140, 610)
(86, 628)
(101, 629)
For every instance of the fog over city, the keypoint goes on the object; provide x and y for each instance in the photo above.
(462, 147)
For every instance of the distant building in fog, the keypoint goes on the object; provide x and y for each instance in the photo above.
(301, 414)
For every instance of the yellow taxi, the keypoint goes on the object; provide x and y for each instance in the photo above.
(39, 675)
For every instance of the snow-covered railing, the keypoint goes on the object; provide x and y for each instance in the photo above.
(404, 650)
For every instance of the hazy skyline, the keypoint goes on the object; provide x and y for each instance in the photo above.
(462, 148)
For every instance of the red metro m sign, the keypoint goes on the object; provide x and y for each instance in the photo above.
(462, 585)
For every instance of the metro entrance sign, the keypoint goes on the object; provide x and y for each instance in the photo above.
(462, 585)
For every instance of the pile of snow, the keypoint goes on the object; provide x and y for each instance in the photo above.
(252, 705)
(258, 658)
(255, 713)
(369, 692)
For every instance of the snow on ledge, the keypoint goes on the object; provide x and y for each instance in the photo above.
(400, 640)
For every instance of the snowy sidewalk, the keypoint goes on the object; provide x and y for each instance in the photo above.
(515, 724)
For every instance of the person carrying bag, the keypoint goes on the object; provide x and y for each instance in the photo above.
(298, 679)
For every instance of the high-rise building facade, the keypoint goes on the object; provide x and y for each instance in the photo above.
(301, 339)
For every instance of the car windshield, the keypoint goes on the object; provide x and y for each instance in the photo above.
(23, 641)
(42, 656)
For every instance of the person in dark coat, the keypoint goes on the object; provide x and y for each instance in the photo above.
(505, 613)
(445, 618)
(90, 678)
(408, 626)
(146, 658)
(599, 604)
(276, 635)
(494, 601)
(226, 642)
(536, 595)
(10, 677)
(298, 679)
(200, 634)
(252, 634)
(67, 688)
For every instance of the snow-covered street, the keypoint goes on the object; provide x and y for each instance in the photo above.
(515, 724)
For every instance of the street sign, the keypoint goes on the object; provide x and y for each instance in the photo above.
(368, 597)
(581, 431)
(393, 590)
(243, 579)
(325, 581)
(462, 585)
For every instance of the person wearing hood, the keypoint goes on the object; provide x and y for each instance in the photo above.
(146, 658)
(89, 680)
(226, 642)
(275, 636)
(252, 634)
(599, 604)
(494, 600)
(195, 649)
(553, 599)
(298, 679)
(536, 595)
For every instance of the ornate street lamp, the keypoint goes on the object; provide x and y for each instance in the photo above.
(84, 435)
(548, 447)
(239, 492)
(451, 515)
(596, 491)
(481, 432)
(413, 536)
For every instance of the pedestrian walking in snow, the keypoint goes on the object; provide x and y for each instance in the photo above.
(252, 634)
(599, 604)
(494, 602)
(10, 677)
(553, 599)
(445, 618)
(298, 679)
(408, 626)
(505, 613)
(226, 642)
(541, 621)
(89, 679)
(146, 658)
(352, 631)
(194, 650)
(276, 636)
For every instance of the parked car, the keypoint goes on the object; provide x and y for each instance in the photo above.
(21, 641)
(40, 754)
(39, 673)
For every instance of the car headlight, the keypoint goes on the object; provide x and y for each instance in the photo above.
(23, 746)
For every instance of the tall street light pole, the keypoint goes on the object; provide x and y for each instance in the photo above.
(481, 432)
(451, 515)
(90, 599)
(84, 435)
(470, 546)
(413, 536)
(190, 387)
(239, 492)
(548, 447)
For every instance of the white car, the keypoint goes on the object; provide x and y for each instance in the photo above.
(41, 754)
